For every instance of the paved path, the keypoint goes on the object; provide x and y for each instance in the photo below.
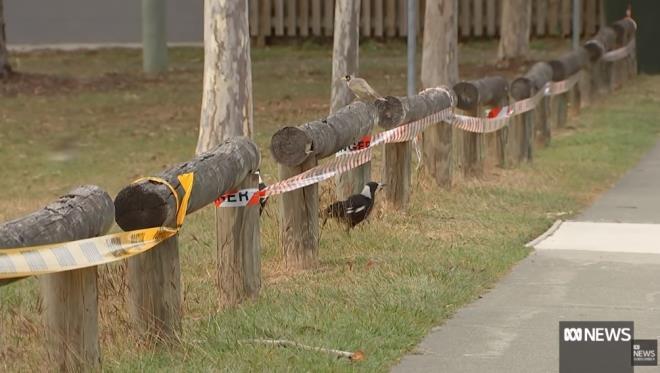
(514, 327)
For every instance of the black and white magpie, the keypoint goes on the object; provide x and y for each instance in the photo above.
(262, 200)
(356, 208)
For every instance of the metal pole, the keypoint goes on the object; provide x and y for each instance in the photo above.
(412, 44)
(577, 18)
(154, 36)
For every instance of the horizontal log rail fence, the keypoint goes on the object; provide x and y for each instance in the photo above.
(522, 115)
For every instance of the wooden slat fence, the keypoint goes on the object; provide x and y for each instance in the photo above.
(388, 18)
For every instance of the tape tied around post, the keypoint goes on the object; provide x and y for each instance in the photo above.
(91, 252)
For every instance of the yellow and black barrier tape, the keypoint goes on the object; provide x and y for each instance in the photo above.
(91, 252)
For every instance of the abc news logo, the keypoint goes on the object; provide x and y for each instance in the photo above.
(597, 334)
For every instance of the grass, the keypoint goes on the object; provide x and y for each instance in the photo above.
(379, 290)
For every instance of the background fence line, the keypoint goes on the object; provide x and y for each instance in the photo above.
(388, 18)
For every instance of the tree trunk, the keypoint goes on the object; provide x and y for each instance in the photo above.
(227, 92)
(226, 113)
(5, 68)
(439, 67)
(516, 26)
(345, 58)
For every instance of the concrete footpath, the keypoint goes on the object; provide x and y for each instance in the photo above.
(576, 273)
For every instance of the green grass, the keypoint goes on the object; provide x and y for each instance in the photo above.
(379, 290)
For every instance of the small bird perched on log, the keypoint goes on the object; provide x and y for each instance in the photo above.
(361, 89)
(356, 208)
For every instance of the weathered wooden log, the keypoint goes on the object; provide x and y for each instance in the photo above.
(525, 87)
(535, 79)
(569, 64)
(151, 204)
(603, 41)
(625, 29)
(154, 277)
(484, 92)
(472, 97)
(396, 111)
(69, 298)
(291, 146)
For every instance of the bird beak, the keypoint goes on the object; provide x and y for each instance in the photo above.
(381, 186)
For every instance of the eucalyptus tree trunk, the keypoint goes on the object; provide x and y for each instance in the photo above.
(226, 113)
(5, 68)
(440, 68)
(345, 58)
(515, 29)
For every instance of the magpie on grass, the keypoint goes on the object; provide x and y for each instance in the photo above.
(356, 208)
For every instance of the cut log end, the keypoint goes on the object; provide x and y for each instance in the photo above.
(390, 112)
(468, 95)
(521, 88)
(149, 204)
(290, 146)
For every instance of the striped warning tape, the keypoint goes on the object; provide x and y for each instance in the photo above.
(620, 53)
(356, 158)
(66, 256)
(557, 88)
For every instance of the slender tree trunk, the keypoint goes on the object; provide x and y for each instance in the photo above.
(5, 68)
(345, 61)
(515, 29)
(227, 112)
(227, 95)
(440, 67)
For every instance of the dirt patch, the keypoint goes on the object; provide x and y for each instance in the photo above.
(50, 85)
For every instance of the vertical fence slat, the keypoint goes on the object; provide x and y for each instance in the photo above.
(491, 14)
(465, 19)
(553, 17)
(478, 18)
(254, 17)
(378, 18)
(316, 17)
(365, 15)
(590, 17)
(291, 18)
(328, 17)
(279, 17)
(402, 16)
(566, 7)
(265, 17)
(541, 16)
(304, 17)
(390, 18)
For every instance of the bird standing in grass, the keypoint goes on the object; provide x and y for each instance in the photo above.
(356, 208)
(361, 89)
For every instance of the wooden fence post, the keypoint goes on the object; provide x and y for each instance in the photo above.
(154, 278)
(239, 250)
(70, 298)
(440, 67)
(526, 86)
(297, 149)
(473, 96)
(563, 68)
(393, 112)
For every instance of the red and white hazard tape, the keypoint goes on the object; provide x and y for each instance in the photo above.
(356, 158)
(361, 153)
(557, 88)
(619, 54)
